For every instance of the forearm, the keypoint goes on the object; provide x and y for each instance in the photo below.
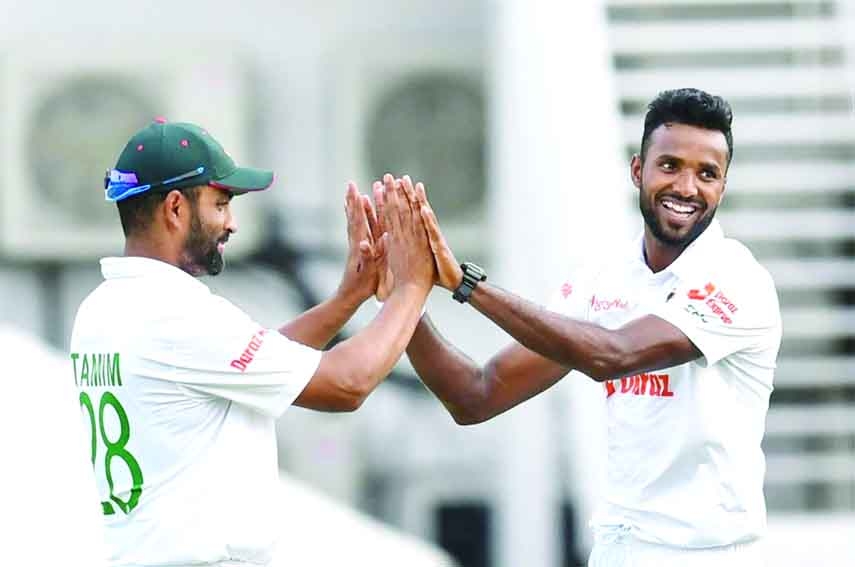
(317, 326)
(455, 379)
(367, 362)
(591, 349)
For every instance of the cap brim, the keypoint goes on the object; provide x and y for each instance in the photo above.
(244, 179)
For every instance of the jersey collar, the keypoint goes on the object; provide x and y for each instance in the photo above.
(694, 253)
(138, 267)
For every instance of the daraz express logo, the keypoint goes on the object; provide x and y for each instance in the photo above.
(716, 301)
(248, 354)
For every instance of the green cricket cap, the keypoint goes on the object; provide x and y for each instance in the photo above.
(172, 155)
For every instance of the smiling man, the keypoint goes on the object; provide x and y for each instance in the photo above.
(682, 327)
(180, 389)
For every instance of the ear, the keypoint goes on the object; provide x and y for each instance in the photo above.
(176, 210)
(635, 167)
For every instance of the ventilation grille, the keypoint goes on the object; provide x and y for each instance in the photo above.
(67, 116)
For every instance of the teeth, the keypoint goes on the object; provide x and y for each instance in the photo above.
(685, 209)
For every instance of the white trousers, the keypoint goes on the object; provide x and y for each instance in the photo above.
(628, 551)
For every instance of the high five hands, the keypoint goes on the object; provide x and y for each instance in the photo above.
(392, 192)
(366, 253)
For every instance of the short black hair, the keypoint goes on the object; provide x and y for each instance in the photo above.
(136, 213)
(692, 107)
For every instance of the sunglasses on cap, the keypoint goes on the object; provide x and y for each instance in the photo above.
(119, 185)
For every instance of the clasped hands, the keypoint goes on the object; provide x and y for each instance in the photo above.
(394, 240)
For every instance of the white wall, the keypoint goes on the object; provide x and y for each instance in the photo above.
(295, 49)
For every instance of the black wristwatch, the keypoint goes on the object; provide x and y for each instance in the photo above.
(472, 274)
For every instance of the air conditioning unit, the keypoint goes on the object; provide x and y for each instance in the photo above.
(65, 119)
(405, 107)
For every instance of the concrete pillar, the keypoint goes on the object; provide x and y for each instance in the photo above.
(558, 189)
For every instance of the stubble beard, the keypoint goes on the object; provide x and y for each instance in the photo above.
(661, 234)
(200, 251)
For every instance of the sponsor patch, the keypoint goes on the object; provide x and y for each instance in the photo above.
(248, 354)
(716, 302)
(599, 304)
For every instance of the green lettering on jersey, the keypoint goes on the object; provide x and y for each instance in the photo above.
(84, 371)
(74, 357)
(97, 369)
(115, 372)
(95, 372)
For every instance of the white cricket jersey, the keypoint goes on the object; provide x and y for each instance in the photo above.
(685, 466)
(179, 390)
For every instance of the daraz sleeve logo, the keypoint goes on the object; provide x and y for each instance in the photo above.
(717, 302)
(248, 354)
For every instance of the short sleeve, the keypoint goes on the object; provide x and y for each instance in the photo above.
(722, 316)
(228, 355)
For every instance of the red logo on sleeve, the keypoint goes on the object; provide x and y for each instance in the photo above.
(718, 303)
(700, 295)
(248, 354)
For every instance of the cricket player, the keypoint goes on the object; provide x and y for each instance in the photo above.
(179, 388)
(681, 326)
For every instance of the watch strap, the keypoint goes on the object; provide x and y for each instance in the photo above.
(472, 276)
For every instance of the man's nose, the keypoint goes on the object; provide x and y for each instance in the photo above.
(231, 224)
(685, 184)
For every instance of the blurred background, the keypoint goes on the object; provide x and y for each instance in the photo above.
(521, 117)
